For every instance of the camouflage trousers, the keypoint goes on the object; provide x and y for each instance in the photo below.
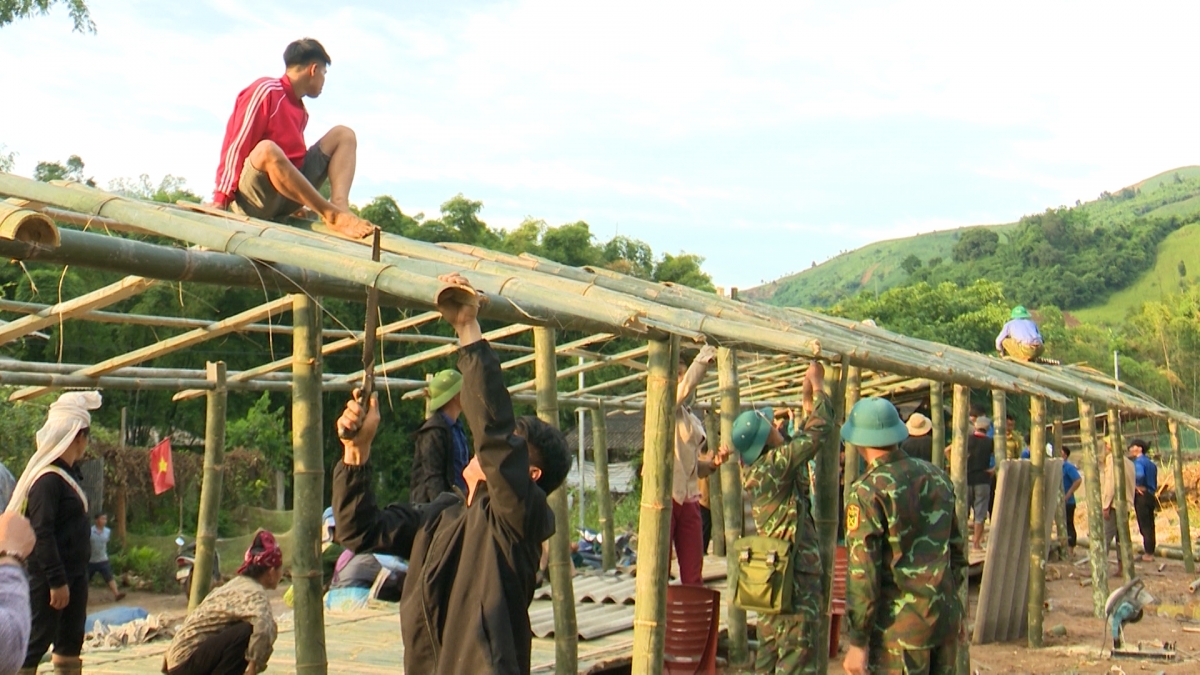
(894, 659)
(787, 643)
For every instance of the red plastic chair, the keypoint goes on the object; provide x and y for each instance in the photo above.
(693, 613)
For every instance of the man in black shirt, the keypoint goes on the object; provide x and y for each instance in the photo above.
(920, 439)
(472, 560)
(980, 468)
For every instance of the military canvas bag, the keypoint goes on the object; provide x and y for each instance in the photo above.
(764, 582)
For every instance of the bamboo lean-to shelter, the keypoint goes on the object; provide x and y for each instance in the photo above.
(761, 361)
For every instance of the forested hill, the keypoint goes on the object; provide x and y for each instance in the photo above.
(1071, 257)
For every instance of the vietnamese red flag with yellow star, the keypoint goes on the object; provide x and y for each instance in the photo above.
(162, 471)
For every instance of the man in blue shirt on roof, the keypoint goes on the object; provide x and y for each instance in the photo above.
(1145, 497)
(1020, 338)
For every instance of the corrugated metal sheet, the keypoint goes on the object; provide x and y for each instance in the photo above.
(1003, 609)
(621, 476)
(597, 588)
(593, 620)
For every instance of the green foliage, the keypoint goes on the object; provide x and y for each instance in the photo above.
(71, 170)
(8, 159)
(632, 257)
(967, 317)
(19, 422)
(683, 269)
(169, 190)
(911, 264)
(262, 429)
(11, 10)
(571, 244)
(140, 560)
(976, 243)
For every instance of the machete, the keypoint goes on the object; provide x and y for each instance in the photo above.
(368, 357)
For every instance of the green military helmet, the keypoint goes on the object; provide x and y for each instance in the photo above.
(443, 387)
(750, 431)
(1019, 312)
(874, 423)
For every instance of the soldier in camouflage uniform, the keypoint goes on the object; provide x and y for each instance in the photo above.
(775, 471)
(905, 551)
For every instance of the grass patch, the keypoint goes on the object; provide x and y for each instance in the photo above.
(1162, 280)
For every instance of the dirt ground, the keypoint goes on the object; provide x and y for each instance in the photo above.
(1070, 607)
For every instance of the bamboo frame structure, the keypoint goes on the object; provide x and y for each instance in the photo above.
(826, 505)
(958, 476)
(210, 487)
(654, 528)
(1120, 498)
(1060, 513)
(608, 548)
(853, 389)
(109, 295)
(566, 630)
(1037, 521)
(1091, 483)
(1185, 525)
(716, 506)
(731, 491)
(999, 426)
(937, 415)
(308, 467)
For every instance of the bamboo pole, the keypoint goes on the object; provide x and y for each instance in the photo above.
(1091, 484)
(827, 508)
(608, 550)
(1037, 521)
(210, 489)
(308, 467)
(54, 381)
(654, 523)
(716, 506)
(999, 426)
(1120, 498)
(1060, 513)
(937, 415)
(1181, 503)
(120, 524)
(958, 475)
(562, 593)
(55, 314)
(853, 393)
(731, 491)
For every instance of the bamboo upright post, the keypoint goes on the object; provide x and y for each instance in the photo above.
(562, 592)
(608, 550)
(1120, 498)
(308, 481)
(1091, 485)
(1060, 513)
(1037, 521)
(210, 489)
(850, 462)
(937, 415)
(958, 475)
(999, 426)
(827, 508)
(120, 516)
(654, 523)
(731, 490)
(1185, 526)
(716, 510)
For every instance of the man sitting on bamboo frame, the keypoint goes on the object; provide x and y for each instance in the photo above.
(266, 171)
(472, 558)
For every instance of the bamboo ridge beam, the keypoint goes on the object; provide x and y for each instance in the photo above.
(109, 295)
(172, 344)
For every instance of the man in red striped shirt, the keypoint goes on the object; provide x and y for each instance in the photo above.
(266, 171)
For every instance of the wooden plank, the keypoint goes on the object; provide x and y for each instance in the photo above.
(101, 297)
(437, 352)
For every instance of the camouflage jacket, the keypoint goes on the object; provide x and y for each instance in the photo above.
(779, 486)
(905, 555)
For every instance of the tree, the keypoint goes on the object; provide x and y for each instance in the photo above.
(963, 316)
(911, 264)
(72, 170)
(262, 429)
(629, 256)
(976, 243)
(169, 190)
(462, 215)
(683, 269)
(11, 10)
(8, 159)
(570, 244)
(1182, 268)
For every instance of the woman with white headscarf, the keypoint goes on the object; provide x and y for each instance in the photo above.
(50, 495)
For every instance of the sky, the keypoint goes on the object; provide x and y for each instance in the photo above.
(762, 136)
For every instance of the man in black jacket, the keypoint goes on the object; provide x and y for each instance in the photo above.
(472, 560)
(440, 450)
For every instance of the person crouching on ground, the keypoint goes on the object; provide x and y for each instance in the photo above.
(232, 631)
(472, 558)
(49, 493)
(775, 472)
(905, 560)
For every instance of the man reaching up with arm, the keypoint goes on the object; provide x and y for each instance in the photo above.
(472, 558)
(266, 171)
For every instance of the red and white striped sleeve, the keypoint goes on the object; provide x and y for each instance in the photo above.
(247, 126)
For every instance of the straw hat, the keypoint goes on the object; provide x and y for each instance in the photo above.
(918, 425)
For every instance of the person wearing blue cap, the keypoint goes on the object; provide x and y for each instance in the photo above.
(775, 472)
(905, 559)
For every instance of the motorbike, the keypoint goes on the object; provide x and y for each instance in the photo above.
(185, 562)
(588, 551)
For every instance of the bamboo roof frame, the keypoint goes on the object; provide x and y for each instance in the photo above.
(523, 290)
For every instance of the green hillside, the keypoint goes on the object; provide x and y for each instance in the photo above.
(877, 266)
(1181, 246)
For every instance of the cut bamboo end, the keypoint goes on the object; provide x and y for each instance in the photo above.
(30, 227)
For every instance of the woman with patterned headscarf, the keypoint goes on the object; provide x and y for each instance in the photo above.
(232, 631)
(50, 495)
